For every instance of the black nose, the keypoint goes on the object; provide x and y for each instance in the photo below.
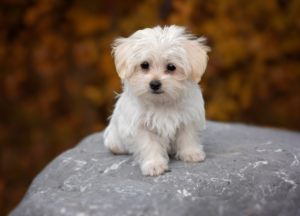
(155, 85)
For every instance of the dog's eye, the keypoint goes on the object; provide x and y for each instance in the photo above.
(145, 65)
(171, 67)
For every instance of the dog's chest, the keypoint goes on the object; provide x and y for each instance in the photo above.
(163, 121)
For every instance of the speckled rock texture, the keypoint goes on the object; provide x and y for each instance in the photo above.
(248, 171)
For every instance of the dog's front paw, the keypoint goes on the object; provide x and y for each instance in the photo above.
(153, 168)
(194, 155)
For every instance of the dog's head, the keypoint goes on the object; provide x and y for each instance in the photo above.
(158, 63)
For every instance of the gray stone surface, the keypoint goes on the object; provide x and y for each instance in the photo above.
(248, 171)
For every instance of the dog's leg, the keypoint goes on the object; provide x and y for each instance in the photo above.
(151, 152)
(188, 145)
(113, 141)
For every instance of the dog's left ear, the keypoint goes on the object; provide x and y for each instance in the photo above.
(121, 49)
(197, 57)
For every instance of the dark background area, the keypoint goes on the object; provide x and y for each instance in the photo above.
(57, 76)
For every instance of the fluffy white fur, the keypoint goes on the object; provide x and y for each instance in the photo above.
(151, 126)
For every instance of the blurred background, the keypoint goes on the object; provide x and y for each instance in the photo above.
(57, 76)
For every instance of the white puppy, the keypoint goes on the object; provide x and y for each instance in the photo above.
(161, 109)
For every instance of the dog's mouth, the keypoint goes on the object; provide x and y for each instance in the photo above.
(157, 92)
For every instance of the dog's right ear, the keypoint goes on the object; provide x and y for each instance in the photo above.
(121, 51)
